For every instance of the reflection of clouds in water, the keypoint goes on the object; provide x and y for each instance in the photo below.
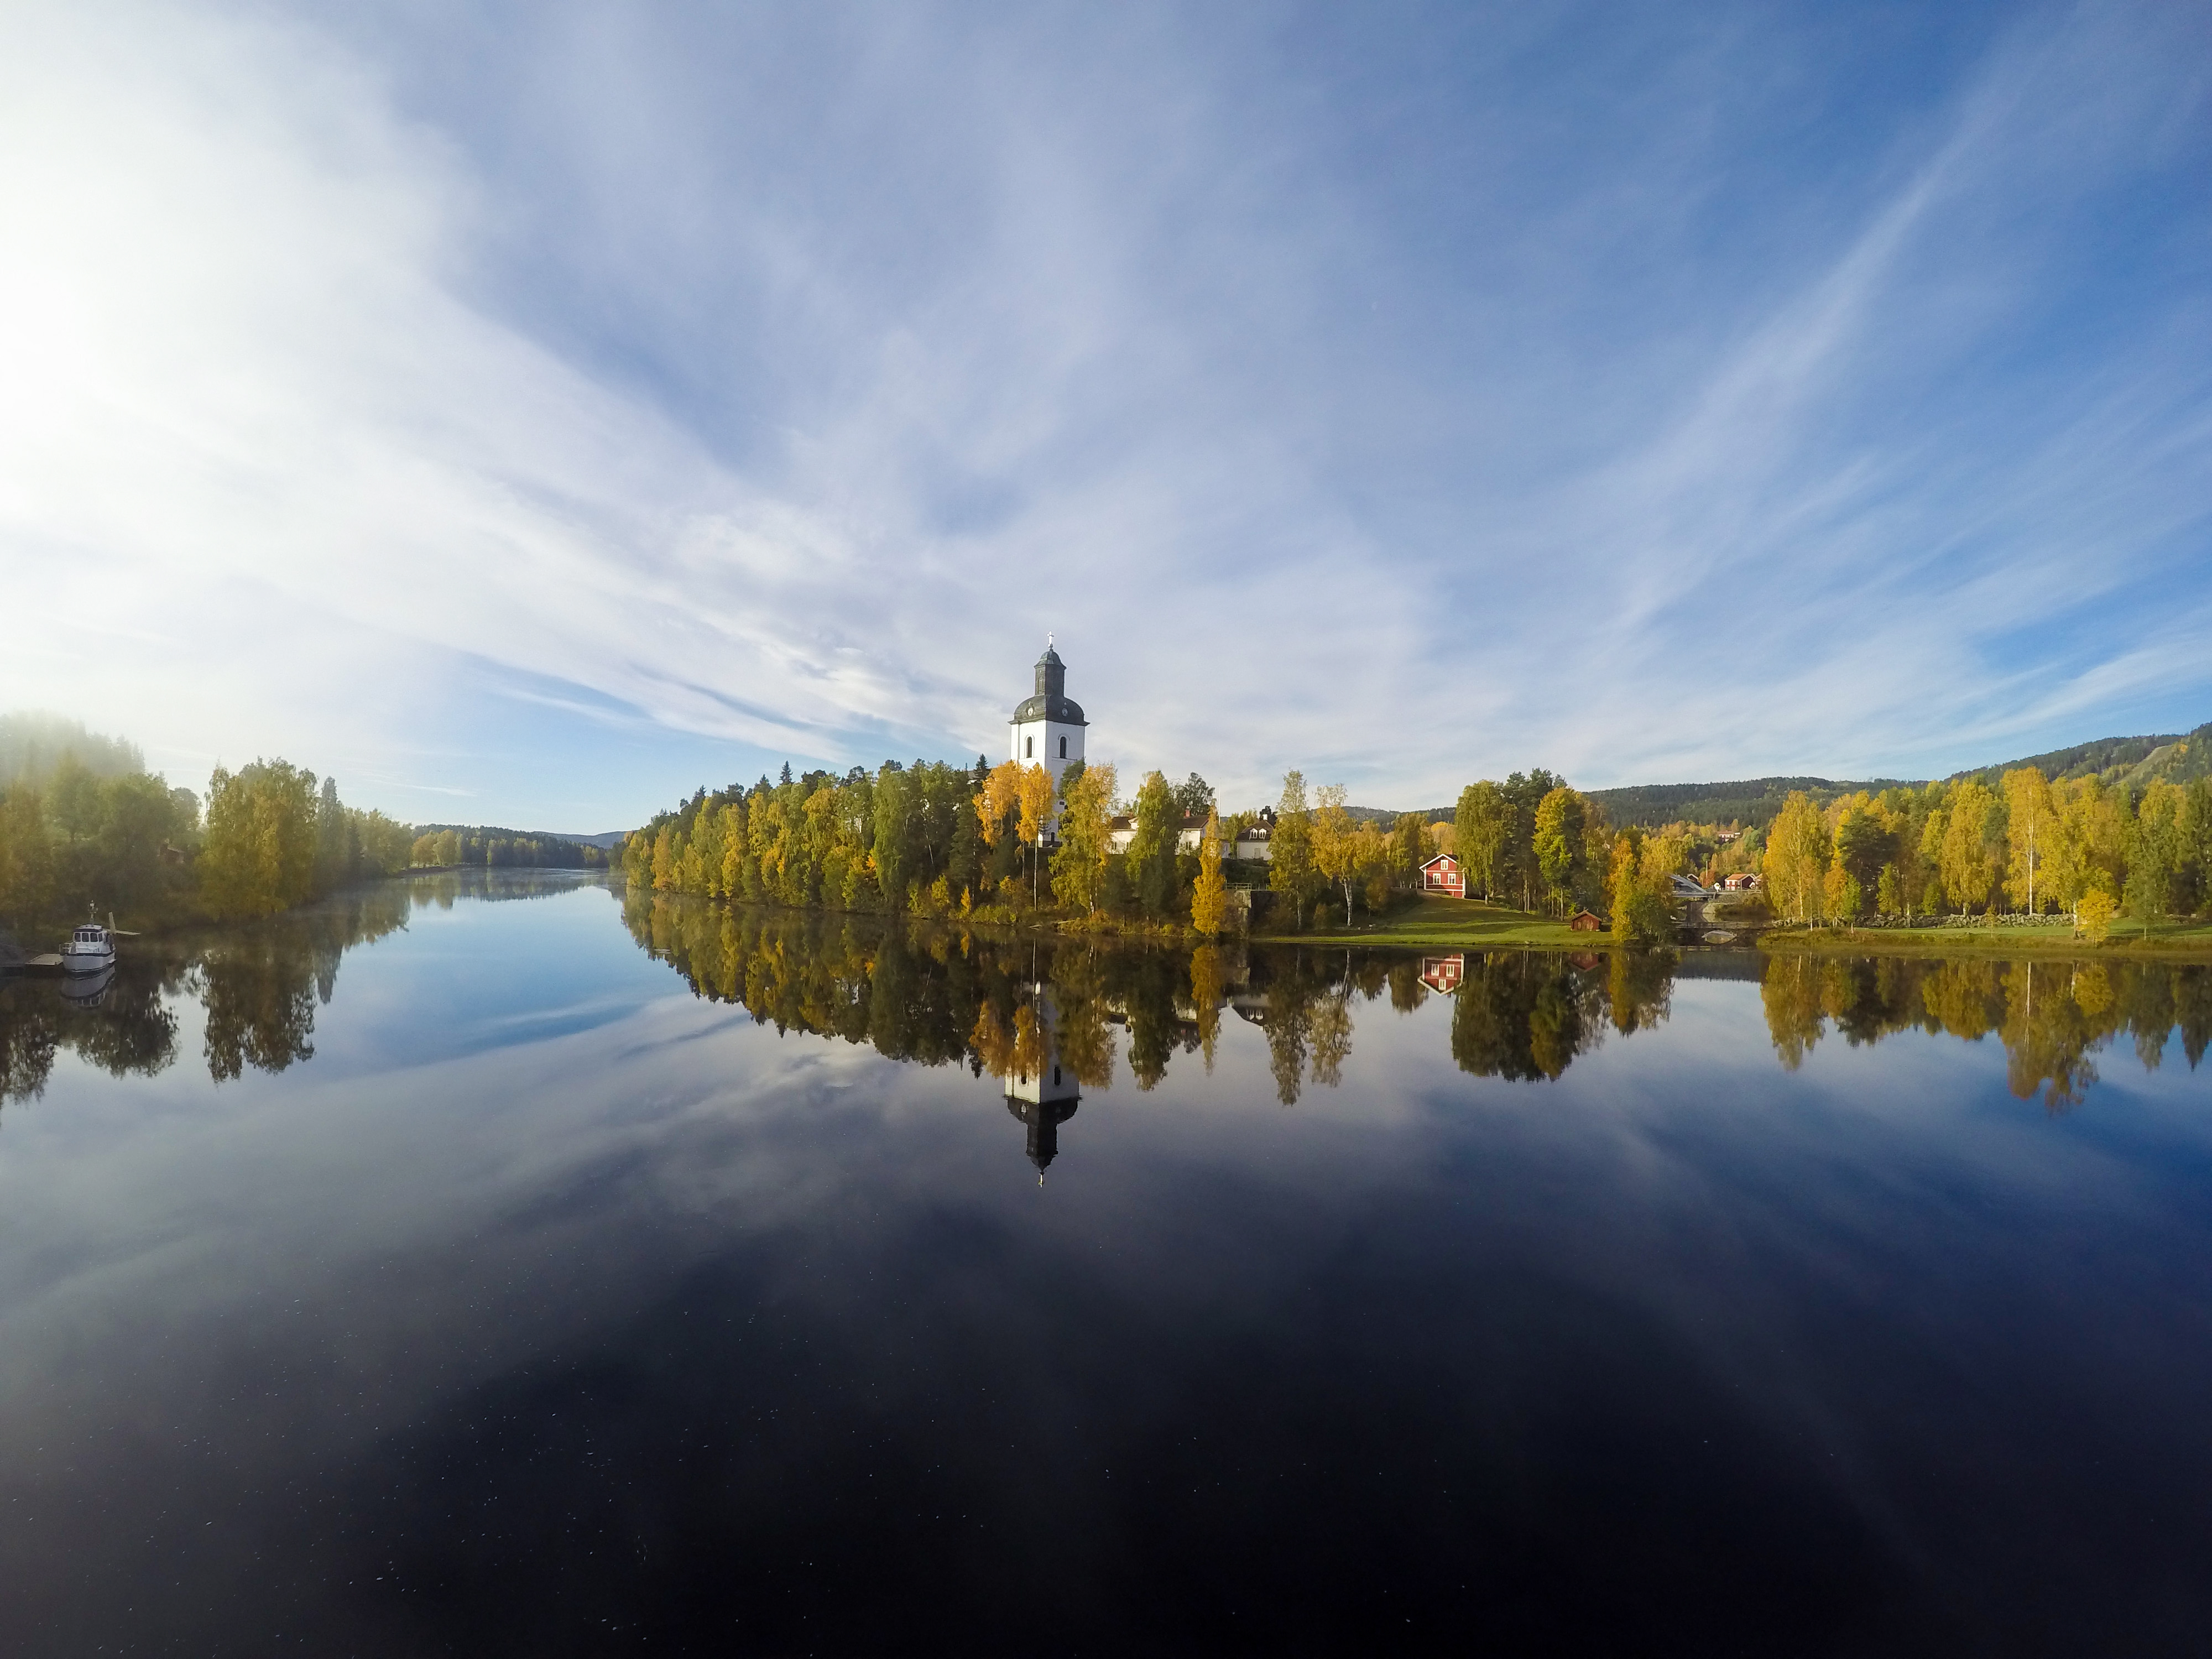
(661, 1278)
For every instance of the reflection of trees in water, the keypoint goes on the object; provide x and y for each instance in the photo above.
(1523, 1015)
(493, 886)
(1208, 982)
(1288, 1022)
(936, 996)
(941, 996)
(260, 1004)
(2051, 1016)
(1152, 984)
(129, 1031)
(259, 983)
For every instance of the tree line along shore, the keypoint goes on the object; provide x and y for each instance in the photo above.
(84, 824)
(932, 839)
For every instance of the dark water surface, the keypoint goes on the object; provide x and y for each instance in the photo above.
(507, 1287)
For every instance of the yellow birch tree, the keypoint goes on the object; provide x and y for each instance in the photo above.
(1086, 814)
(1968, 860)
(1335, 845)
(1209, 899)
(2031, 820)
(1795, 863)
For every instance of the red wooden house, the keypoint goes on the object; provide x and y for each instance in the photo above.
(1443, 874)
(1443, 974)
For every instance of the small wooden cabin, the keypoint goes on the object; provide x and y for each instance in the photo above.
(1443, 874)
(1586, 921)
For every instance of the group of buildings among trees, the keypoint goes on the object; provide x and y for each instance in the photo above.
(1042, 829)
(2135, 839)
(83, 822)
(1045, 828)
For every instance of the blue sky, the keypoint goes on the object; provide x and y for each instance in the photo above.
(529, 412)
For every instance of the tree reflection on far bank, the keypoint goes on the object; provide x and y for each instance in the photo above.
(939, 995)
(2052, 1017)
(933, 995)
(259, 984)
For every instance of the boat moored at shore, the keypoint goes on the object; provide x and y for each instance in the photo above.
(90, 950)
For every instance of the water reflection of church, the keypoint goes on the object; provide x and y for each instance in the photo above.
(1046, 1098)
(1042, 1102)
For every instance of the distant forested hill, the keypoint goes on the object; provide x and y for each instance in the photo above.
(1746, 801)
(33, 743)
(2130, 761)
(489, 831)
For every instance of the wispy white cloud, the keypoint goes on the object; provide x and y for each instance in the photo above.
(779, 380)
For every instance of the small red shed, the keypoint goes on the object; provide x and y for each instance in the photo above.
(1443, 874)
(1585, 921)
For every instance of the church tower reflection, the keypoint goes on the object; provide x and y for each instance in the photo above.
(1041, 1091)
(1042, 1102)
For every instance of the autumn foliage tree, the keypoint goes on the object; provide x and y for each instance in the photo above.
(259, 857)
(1086, 816)
(1209, 898)
(1796, 864)
(1291, 872)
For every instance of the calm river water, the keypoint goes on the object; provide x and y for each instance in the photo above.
(506, 1267)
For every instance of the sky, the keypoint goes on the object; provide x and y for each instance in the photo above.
(528, 413)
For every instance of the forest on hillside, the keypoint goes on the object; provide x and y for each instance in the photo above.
(452, 846)
(1748, 802)
(84, 825)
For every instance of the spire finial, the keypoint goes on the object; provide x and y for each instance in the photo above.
(1047, 639)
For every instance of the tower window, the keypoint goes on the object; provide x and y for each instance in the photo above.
(1029, 748)
(1063, 749)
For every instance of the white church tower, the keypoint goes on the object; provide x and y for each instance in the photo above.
(1048, 727)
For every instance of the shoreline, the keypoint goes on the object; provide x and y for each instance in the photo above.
(2176, 943)
(1434, 924)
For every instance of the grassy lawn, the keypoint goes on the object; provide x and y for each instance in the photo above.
(2165, 939)
(1434, 922)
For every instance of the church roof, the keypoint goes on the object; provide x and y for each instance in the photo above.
(1051, 701)
(1045, 707)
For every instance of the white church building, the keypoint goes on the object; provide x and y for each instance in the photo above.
(1048, 727)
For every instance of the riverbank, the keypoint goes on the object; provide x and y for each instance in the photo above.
(2172, 941)
(1433, 922)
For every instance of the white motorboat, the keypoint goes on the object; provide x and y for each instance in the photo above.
(90, 950)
